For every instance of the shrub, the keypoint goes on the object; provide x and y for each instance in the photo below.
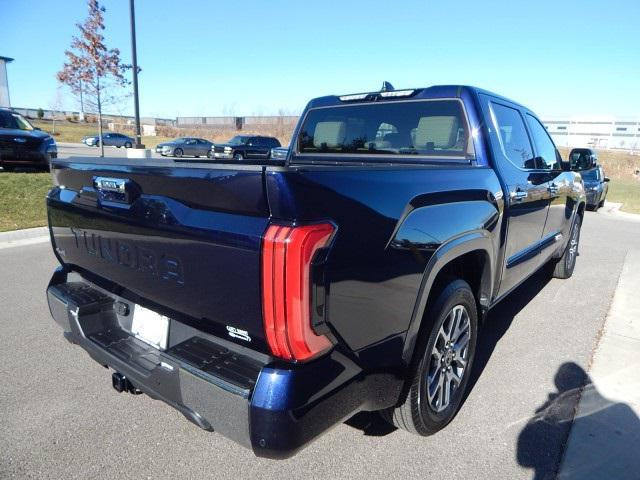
(40, 114)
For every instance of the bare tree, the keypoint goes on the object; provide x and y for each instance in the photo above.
(92, 70)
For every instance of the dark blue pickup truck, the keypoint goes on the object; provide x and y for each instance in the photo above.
(270, 302)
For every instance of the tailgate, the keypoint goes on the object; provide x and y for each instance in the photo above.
(184, 240)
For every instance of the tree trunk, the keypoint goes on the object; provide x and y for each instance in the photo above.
(99, 117)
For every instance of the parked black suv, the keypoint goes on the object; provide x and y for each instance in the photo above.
(596, 184)
(23, 145)
(245, 146)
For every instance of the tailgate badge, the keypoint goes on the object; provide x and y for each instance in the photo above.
(239, 334)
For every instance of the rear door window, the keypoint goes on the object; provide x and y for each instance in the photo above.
(513, 137)
(548, 156)
(436, 128)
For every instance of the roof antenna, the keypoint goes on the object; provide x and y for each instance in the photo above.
(387, 87)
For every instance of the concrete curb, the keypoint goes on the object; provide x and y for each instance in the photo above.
(612, 209)
(604, 437)
(28, 236)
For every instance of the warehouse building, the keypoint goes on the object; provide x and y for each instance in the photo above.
(614, 133)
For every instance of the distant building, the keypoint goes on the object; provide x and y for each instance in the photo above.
(597, 132)
(5, 101)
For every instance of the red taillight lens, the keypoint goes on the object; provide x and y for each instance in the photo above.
(286, 300)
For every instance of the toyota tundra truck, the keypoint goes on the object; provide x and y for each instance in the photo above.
(272, 301)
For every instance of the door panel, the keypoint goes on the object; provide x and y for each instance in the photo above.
(527, 203)
(560, 204)
(526, 215)
(558, 185)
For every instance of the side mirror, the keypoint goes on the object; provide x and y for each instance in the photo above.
(565, 166)
(37, 128)
(581, 160)
(606, 179)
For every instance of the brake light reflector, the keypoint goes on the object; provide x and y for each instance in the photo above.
(286, 298)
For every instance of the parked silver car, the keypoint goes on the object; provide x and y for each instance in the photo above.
(197, 147)
(110, 139)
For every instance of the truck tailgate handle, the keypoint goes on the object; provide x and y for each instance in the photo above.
(116, 190)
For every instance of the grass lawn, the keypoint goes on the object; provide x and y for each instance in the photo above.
(22, 200)
(627, 192)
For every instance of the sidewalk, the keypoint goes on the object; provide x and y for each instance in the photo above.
(27, 236)
(604, 441)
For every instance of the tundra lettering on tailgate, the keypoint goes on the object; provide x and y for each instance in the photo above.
(129, 255)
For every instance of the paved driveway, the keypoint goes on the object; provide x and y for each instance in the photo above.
(60, 418)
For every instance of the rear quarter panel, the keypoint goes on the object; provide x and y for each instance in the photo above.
(390, 221)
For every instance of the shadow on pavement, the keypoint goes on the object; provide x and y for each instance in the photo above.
(606, 434)
(499, 320)
(371, 424)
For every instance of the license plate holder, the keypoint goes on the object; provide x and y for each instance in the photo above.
(150, 327)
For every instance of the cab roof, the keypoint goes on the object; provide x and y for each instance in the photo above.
(435, 91)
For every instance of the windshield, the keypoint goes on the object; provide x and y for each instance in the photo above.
(591, 175)
(14, 120)
(432, 128)
(238, 140)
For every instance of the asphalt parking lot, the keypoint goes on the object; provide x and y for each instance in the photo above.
(61, 419)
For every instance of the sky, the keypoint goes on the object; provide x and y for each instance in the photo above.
(258, 57)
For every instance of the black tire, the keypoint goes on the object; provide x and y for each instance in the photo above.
(127, 145)
(178, 152)
(417, 414)
(563, 267)
(197, 156)
(238, 156)
(209, 154)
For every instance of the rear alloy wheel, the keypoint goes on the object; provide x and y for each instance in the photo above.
(440, 378)
(209, 154)
(178, 152)
(127, 145)
(238, 156)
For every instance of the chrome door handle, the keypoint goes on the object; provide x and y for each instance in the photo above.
(518, 195)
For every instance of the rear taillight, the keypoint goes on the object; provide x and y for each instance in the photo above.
(286, 300)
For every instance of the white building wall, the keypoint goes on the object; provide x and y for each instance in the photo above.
(596, 132)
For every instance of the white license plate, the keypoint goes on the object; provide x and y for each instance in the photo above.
(150, 327)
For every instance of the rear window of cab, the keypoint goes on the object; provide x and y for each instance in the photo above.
(432, 128)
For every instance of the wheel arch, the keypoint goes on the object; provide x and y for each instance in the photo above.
(469, 257)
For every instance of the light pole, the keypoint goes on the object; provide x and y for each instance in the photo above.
(135, 74)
